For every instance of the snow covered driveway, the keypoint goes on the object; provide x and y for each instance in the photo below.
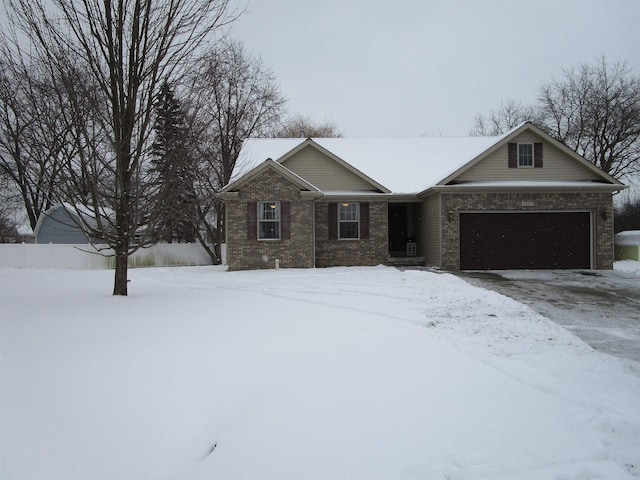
(601, 307)
(341, 373)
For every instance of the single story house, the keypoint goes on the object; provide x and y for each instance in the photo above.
(518, 201)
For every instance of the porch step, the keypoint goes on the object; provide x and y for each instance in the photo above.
(406, 261)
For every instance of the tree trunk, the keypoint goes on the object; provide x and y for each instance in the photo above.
(212, 254)
(120, 283)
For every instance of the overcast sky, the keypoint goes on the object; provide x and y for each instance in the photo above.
(406, 68)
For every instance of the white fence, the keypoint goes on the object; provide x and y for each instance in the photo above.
(88, 257)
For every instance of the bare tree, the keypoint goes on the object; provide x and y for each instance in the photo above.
(303, 126)
(508, 115)
(110, 57)
(8, 230)
(595, 110)
(627, 213)
(32, 136)
(233, 96)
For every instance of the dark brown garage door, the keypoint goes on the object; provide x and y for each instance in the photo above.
(498, 241)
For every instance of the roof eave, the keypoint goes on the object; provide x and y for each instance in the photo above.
(368, 196)
(500, 141)
(537, 188)
(268, 163)
(541, 133)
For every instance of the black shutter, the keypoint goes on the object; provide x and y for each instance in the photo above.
(513, 155)
(333, 220)
(364, 220)
(537, 155)
(252, 221)
(285, 220)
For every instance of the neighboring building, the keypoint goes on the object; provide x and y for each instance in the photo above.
(61, 224)
(522, 200)
(627, 245)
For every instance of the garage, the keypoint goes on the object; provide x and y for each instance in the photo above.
(525, 240)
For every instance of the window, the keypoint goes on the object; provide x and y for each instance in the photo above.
(268, 220)
(348, 220)
(525, 155)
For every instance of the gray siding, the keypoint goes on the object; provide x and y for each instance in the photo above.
(58, 226)
(324, 172)
(556, 166)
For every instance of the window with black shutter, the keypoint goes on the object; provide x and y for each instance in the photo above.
(537, 155)
(252, 221)
(525, 155)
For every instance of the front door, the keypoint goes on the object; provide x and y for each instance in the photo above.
(398, 235)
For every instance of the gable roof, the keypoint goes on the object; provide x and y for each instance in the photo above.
(399, 165)
(524, 127)
(269, 164)
(309, 142)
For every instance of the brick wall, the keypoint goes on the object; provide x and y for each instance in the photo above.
(371, 251)
(244, 254)
(599, 204)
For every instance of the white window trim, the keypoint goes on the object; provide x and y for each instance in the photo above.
(520, 165)
(357, 221)
(261, 220)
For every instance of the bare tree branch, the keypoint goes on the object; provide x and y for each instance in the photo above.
(108, 58)
(302, 126)
(233, 96)
(594, 109)
(508, 115)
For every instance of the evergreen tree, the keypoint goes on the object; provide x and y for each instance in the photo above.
(108, 60)
(172, 167)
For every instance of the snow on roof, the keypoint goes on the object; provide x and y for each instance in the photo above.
(24, 230)
(80, 211)
(83, 210)
(629, 237)
(537, 183)
(403, 165)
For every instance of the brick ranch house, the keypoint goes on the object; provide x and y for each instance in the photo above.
(519, 201)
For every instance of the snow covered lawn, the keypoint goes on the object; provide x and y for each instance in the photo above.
(341, 373)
